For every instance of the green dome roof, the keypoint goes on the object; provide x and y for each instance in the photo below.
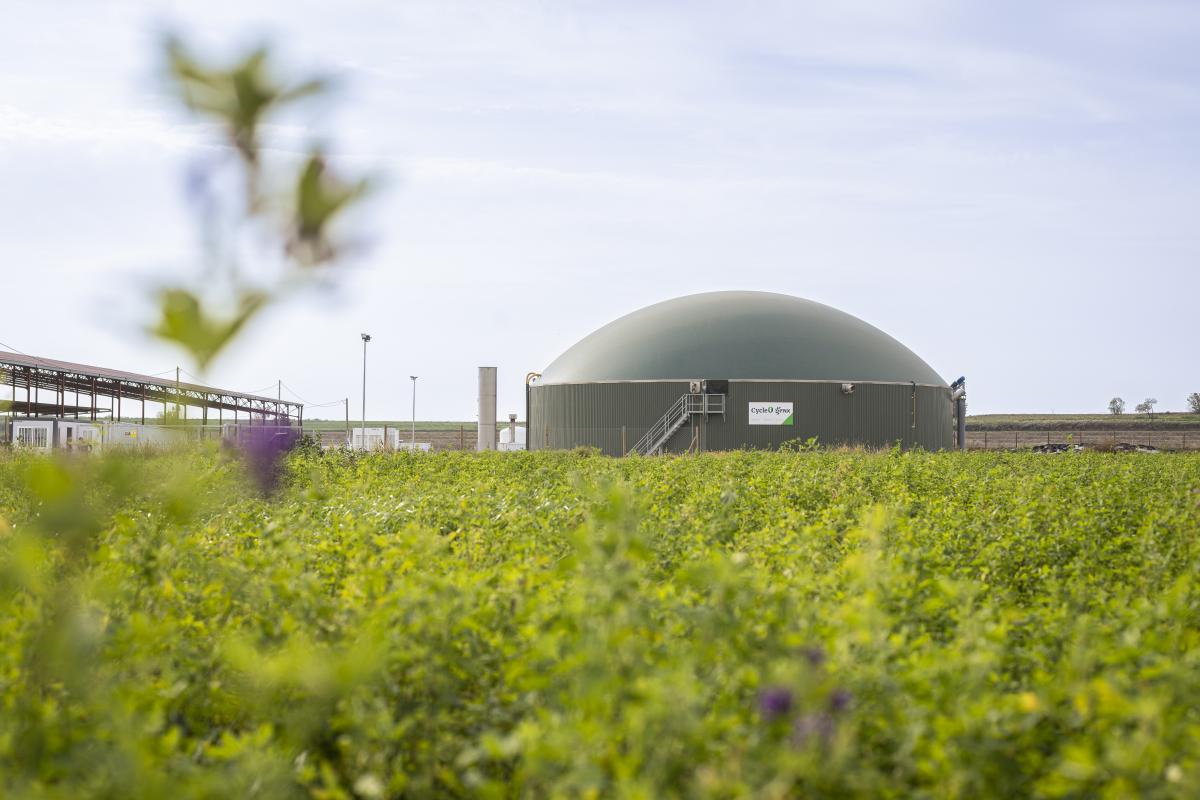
(739, 336)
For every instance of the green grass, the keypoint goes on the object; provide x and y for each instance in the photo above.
(822, 624)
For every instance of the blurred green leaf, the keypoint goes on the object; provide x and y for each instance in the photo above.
(240, 95)
(320, 197)
(184, 321)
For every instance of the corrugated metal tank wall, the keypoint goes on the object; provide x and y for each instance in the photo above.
(563, 416)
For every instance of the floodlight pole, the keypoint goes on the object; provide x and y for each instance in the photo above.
(366, 337)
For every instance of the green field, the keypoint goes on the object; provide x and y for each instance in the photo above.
(835, 624)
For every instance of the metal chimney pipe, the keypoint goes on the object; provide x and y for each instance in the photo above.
(960, 408)
(487, 409)
(958, 393)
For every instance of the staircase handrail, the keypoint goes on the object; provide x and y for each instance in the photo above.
(674, 418)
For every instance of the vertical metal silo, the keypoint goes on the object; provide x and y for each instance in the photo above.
(487, 409)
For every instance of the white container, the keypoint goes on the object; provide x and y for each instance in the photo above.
(374, 439)
(131, 434)
(34, 434)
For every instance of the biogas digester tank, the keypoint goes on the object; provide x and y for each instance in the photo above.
(730, 370)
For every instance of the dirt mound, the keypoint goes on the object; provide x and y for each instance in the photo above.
(1119, 447)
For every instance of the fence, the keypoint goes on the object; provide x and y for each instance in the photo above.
(463, 437)
(1010, 440)
(460, 438)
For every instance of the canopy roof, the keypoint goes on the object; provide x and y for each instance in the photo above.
(54, 365)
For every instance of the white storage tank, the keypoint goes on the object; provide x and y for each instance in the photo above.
(513, 436)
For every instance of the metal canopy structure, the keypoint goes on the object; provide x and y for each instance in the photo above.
(38, 376)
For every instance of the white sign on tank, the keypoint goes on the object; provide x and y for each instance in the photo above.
(770, 413)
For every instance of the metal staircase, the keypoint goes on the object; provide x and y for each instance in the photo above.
(680, 412)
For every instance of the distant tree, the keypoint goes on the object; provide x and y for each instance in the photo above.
(171, 415)
(1116, 406)
(1193, 402)
(1147, 407)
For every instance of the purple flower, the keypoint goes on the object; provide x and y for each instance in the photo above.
(839, 701)
(264, 447)
(814, 654)
(774, 702)
(196, 183)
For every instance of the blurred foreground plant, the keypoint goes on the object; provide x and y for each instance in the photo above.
(285, 219)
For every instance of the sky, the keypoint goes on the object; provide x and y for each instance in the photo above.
(1009, 189)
